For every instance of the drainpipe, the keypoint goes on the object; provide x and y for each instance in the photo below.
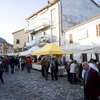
(60, 22)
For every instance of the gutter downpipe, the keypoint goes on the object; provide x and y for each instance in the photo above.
(60, 22)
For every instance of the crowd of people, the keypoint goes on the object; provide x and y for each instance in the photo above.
(52, 64)
(10, 64)
(84, 73)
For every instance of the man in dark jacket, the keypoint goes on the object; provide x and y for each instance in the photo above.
(54, 68)
(12, 64)
(1, 72)
(45, 66)
(91, 82)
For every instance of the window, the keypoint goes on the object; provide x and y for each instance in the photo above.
(97, 2)
(70, 38)
(53, 17)
(32, 37)
(98, 30)
(44, 33)
(17, 41)
(71, 56)
(84, 57)
(97, 56)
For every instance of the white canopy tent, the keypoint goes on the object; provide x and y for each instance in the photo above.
(91, 49)
(12, 54)
(77, 48)
(29, 51)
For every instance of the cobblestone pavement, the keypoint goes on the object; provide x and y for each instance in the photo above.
(31, 86)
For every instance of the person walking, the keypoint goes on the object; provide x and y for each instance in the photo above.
(6, 64)
(12, 64)
(91, 81)
(45, 66)
(17, 63)
(42, 66)
(1, 71)
(22, 63)
(73, 72)
(54, 68)
(29, 64)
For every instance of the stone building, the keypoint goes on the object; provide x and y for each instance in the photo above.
(5, 47)
(20, 39)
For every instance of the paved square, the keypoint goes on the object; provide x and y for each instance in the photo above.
(32, 86)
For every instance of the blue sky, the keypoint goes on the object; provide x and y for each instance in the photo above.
(13, 14)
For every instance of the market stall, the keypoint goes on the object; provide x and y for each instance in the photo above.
(29, 51)
(49, 49)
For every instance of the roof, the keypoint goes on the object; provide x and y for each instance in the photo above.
(10, 44)
(18, 31)
(2, 40)
(83, 23)
(45, 7)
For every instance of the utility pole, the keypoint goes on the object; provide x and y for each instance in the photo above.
(60, 22)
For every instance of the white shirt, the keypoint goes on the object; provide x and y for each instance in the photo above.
(73, 68)
(83, 72)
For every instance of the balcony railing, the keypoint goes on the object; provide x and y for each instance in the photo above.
(42, 39)
(31, 43)
(38, 24)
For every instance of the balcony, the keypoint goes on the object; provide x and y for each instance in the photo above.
(31, 43)
(38, 24)
(41, 40)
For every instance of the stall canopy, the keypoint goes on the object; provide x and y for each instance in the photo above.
(28, 52)
(49, 49)
(77, 48)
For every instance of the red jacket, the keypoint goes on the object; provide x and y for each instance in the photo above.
(28, 60)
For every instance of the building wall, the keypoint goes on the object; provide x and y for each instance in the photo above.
(85, 39)
(74, 13)
(85, 34)
(69, 12)
(10, 49)
(6, 48)
(22, 37)
(1, 49)
(48, 17)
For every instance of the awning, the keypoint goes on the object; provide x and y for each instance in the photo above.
(28, 52)
(49, 49)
